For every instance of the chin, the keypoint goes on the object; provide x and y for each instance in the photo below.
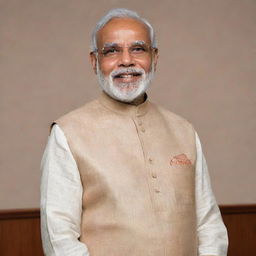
(125, 92)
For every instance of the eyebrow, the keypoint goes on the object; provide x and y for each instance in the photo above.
(139, 42)
(110, 44)
(113, 44)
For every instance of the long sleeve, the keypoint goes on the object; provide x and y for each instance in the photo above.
(212, 233)
(61, 199)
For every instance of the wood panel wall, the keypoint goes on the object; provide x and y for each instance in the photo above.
(240, 221)
(20, 231)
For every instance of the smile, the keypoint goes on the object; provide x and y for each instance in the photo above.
(127, 75)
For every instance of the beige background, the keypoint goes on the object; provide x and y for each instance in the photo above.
(206, 73)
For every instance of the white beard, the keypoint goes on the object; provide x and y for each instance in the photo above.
(125, 92)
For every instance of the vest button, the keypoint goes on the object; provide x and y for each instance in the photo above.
(150, 160)
(153, 174)
(143, 129)
(157, 190)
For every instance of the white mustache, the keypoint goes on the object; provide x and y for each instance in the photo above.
(126, 70)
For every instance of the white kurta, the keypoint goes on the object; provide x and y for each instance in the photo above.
(61, 203)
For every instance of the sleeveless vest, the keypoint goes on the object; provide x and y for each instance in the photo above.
(137, 168)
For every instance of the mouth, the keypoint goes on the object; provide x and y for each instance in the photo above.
(127, 77)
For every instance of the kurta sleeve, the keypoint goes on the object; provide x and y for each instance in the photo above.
(61, 199)
(212, 233)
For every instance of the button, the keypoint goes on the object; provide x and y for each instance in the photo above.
(137, 113)
(142, 129)
(157, 190)
(140, 122)
(153, 174)
(150, 160)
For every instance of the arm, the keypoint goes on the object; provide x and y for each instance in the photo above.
(61, 199)
(211, 231)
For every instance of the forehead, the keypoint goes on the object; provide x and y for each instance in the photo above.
(123, 31)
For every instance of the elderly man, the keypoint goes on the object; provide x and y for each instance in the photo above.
(121, 175)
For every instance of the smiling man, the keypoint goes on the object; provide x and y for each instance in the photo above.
(124, 59)
(123, 176)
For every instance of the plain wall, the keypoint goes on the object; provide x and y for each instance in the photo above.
(206, 73)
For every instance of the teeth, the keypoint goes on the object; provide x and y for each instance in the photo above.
(126, 76)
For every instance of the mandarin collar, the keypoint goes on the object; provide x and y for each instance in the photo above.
(124, 108)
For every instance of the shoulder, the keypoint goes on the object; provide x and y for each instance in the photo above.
(85, 109)
(172, 118)
(81, 115)
(57, 136)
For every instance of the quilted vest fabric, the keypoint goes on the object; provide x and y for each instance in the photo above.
(137, 168)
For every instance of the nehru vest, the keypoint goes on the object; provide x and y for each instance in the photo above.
(137, 168)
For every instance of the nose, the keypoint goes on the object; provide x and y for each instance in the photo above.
(126, 59)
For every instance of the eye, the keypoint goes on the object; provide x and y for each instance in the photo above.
(138, 49)
(109, 51)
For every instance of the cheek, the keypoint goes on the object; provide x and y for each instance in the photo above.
(107, 67)
(146, 64)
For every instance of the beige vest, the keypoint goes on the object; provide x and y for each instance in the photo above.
(137, 167)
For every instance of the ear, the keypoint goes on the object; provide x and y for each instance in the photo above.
(93, 59)
(155, 56)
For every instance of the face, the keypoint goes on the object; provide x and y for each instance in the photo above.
(125, 62)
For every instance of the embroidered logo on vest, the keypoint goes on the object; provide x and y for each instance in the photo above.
(181, 159)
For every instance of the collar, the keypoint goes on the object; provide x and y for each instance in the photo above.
(122, 107)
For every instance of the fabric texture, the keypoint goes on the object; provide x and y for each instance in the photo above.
(173, 191)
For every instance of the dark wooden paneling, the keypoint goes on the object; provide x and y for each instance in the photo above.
(238, 209)
(20, 231)
(240, 221)
(19, 214)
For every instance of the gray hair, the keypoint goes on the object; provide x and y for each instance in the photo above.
(121, 13)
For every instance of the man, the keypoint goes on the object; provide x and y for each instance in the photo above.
(121, 175)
